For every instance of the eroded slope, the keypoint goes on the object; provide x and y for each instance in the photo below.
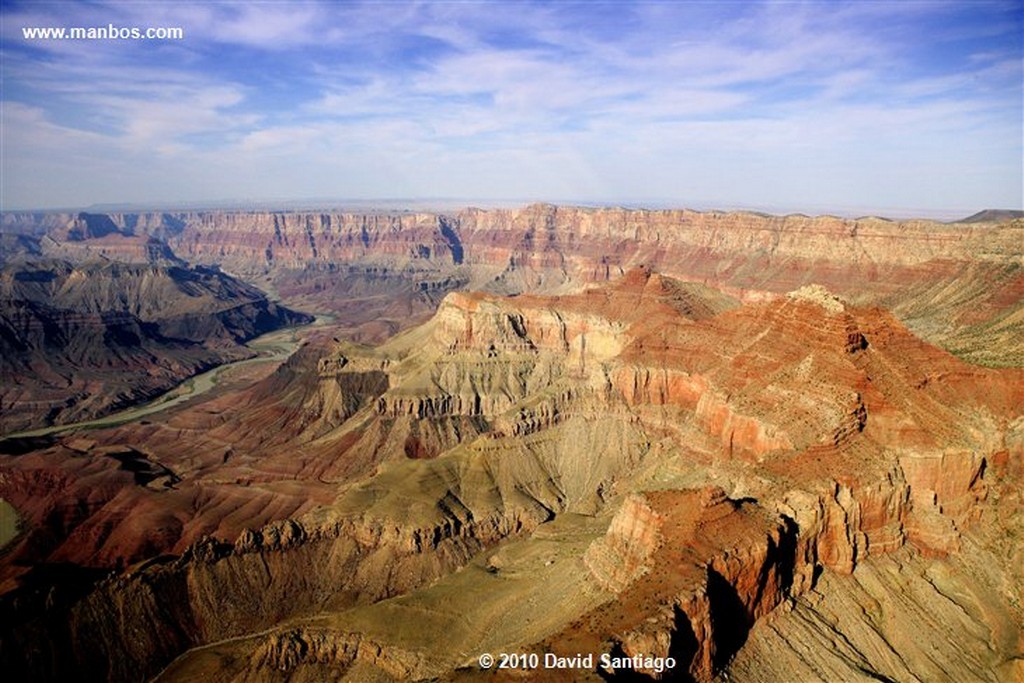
(647, 467)
(78, 341)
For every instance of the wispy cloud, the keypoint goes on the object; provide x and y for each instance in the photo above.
(683, 102)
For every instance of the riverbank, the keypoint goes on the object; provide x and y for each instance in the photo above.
(8, 523)
(272, 347)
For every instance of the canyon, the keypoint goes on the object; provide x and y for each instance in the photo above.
(766, 447)
(102, 321)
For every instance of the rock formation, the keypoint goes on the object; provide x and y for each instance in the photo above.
(737, 442)
(957, 285)
(78, 341)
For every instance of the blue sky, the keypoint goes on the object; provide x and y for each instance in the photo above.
(909, 108)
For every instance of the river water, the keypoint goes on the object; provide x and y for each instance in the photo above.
(8, 523)
(276, 346)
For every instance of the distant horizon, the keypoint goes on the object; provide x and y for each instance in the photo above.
(909, 108)
(442, 204)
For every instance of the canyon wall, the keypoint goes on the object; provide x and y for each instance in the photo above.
(748, 449)
(747, 434)
(958, 285)
(78, 341)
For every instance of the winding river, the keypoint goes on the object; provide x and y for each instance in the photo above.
(276, 346)
(8, 523)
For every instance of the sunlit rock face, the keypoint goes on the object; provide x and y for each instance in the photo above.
(757, 476)
(958, 285)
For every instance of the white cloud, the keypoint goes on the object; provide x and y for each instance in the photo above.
(524, 99)
(266, 25)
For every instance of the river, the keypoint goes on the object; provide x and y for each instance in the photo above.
(8, 523)
(277, 346)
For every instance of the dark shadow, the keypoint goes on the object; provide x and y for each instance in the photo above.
(875, 676)
(622, 676)
(25, 444)
(730, 622)
(682, 648)
(452, 239)
(96, 225)
(32, 641)
(174, 225)
(35, 276)
(816, 574)
(785, 555)
(780, 564)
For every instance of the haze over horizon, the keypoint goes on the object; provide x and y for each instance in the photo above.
(881, 107)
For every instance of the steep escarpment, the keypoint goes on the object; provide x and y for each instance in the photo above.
(956, 285)
(255, 242)
(737, 590)
(644, 469)
(749, 455)
(951, 283)
(755, 251)
(215, 591)
(910, 614)
(78, 341)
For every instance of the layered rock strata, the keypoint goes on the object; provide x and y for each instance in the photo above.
(958, 284)
(749, 451)
(79, 341)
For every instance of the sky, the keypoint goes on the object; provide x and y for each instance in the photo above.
(899, 108)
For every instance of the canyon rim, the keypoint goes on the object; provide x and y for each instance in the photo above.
(755, 446)
(694, 351)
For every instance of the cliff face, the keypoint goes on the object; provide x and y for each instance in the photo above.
(215, 591)
(717, 466)
(78, 341)
(957, 285)
(952, 283)
(588, 244)
(252, 241)
(787, 250)
(945, 604)
(814, 588)
(728, 456)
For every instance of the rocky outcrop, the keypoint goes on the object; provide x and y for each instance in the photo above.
(621, 555)
(747, 451)
(216, 591)
(77, 342)
(952, 282)
(898, 617)
(337, 653)
(741, 564)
